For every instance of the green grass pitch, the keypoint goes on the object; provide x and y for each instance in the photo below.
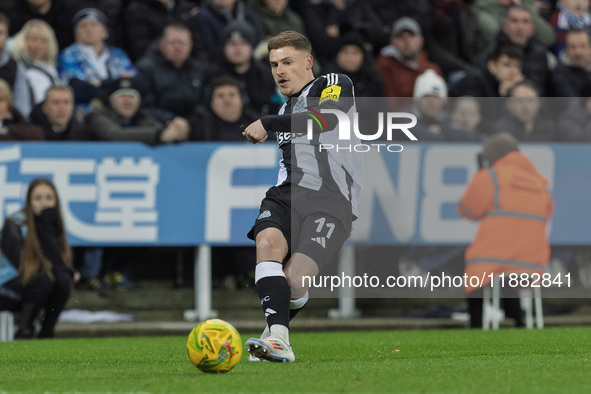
(554, 360)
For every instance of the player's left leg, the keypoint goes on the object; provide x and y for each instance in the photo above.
(274, 294)
(304, 266)
(299, 267)
(272, 345)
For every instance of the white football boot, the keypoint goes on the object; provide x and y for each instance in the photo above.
(266, 334)
(270, 349)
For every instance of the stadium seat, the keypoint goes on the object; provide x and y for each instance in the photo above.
(529, 297)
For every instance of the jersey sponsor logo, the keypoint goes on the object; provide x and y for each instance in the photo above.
(330, 93)
(283, 137)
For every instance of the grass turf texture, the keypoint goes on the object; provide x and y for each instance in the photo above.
(459, 361)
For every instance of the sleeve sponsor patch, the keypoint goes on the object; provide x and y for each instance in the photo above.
(332, 92)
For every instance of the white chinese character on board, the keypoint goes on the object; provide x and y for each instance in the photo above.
(127, 197)
(10, 192)
(124, 194)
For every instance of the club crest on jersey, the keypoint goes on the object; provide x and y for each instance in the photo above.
(300, 105)
(332, 92)
(265, 214)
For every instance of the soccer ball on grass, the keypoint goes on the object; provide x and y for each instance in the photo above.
(214, 346)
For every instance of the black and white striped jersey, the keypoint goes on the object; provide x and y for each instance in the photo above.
(303, 161)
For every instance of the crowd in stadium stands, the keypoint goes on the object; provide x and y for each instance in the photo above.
(162, 71)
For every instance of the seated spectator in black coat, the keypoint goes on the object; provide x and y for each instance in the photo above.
(453, 35)
(502, 71)
(225, 117)
(275, 16)
(574, 123)
(518, 28)
(214, 15)
(171, 83)
(433, 121)
(466, 115)
(258, 87)
(525, 118)
(144, 21)
(354, 61)
(328, 21)
(118, 117)
(55, 115)
(574, 67)
(13, 125)
(57, 13)
(13, 73)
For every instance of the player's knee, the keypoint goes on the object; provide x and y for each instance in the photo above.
(264, 248)
(270, 247)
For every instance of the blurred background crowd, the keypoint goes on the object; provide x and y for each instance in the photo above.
(167, 71)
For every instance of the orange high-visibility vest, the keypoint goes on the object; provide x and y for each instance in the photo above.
(513, 204)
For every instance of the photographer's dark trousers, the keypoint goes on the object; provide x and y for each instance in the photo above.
(512, 307)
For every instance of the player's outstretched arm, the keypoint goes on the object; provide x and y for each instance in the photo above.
(255, 132)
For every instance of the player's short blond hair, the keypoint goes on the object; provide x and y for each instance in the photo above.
(290, 38)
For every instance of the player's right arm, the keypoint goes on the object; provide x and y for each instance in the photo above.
(255, 132)
(334, 91)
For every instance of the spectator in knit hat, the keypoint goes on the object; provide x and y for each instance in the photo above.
(353, 60)
(88, 63)
(401, 62)
(257, 85)
(430, 95)
(118, 117)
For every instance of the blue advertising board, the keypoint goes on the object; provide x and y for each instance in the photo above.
(208, 193)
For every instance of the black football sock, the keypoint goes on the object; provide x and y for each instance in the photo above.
(274, 293)
(297, 305)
